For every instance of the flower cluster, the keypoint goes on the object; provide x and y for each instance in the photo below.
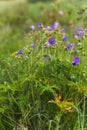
(54, 26)
(80, 32)
(33, 27)
(52, 40)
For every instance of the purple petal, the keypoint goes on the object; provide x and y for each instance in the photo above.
(80, 32)
(65, 38)
(32, 27)
(51, 41)
(77, 60)
(33, 45)
(73, 63)
(40, 25)
(63, 30)
(70, 46)
(76, 37)
(20, 51)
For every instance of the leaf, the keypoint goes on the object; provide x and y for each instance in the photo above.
(47, 88)
(1, 110)
(5, 87)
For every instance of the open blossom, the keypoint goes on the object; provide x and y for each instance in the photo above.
(80, 32)
(70, 46)
(40, 25)
(51, 41)
(20, 51)
(76, 37)
(50, 28)
(76, 61)
(65, 38)
(63, 30)
(33, 45)
(56, 24)
(32, 27)
(53, 27)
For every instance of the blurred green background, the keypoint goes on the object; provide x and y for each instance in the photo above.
(16, 17)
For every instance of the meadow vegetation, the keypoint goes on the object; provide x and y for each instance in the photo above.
(43, 68)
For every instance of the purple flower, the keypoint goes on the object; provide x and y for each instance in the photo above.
(63, 30)
(76, 61)
(40, 25)
(53, 27)
(51, 41)
(32, 27)
(80, 32)
(76, 37)
(33, 45)
(20, 51)
(65, 38)
(56, 24)
(70, 46)
(73, 63)
(50, 28)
